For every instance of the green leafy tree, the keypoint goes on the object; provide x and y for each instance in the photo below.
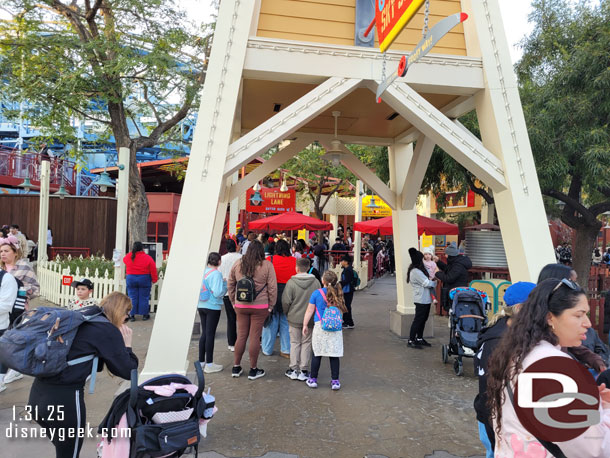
(320, 179)
(108, 62)
(564, 77)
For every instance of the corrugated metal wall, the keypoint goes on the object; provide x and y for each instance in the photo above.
(486, 249)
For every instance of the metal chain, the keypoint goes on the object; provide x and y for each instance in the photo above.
(426, 19)
(385, 55)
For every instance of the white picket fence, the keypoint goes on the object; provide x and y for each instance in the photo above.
(50, 275)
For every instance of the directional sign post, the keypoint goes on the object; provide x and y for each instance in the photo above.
(423, 47)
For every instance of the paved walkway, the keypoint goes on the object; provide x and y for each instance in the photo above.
(394, 401)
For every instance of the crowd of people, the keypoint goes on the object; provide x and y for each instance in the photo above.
(270, 290)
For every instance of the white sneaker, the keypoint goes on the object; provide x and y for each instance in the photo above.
(210, 368)
(231, 347)
(12, 375)
(2, 387)
(303, 376)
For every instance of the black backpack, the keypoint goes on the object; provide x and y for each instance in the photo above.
(20, 300)
(245, 290)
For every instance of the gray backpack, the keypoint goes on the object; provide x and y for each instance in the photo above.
(40, 340)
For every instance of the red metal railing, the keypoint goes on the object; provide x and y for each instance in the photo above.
(15, 167)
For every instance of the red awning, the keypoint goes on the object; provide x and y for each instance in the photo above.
(290, 221)
(430, 226)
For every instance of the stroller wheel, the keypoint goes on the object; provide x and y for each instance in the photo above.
(458, 368)
(445, 353)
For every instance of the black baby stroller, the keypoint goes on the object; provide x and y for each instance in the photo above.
(467, 317)
(159, 418)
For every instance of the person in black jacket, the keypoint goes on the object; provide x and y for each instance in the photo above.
(347, 284)
(489, 338)
(454, 273)
(57, 402)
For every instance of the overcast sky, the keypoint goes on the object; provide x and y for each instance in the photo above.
(514, 14)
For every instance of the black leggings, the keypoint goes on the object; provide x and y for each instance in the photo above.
(59, 408)
(231, 321)
(419, 322)
(334, 366)
(209, 322)
(348, 319)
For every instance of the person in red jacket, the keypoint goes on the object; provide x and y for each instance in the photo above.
(141, 273)
(284, 265)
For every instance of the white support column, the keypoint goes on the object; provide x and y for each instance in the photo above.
(203, 187)
(405, 236)
(357, 234)
(334, 220)
(417, 171)
(234, 208)
(43, 210)
(520, 208)
(122, 193)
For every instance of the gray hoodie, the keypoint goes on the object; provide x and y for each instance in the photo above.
(295, 298)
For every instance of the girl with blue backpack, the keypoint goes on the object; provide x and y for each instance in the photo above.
(213, 289)
(327, 306)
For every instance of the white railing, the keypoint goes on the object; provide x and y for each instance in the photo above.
(50, 275)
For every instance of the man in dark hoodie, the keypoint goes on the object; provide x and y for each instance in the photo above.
(489, 338)
(295, 299)
(454, 273)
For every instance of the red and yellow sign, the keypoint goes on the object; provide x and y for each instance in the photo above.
(391, 16)
(67, 280)
(270, 200)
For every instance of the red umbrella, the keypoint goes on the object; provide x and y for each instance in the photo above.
(290, 221)
(430, 226)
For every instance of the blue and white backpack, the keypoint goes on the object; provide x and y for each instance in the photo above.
(332, 319)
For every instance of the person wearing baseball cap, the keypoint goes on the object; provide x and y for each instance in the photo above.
(489, 338)
(84, 288)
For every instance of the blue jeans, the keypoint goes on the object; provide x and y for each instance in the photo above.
(138, 290)
(485, 440)
(270, 333)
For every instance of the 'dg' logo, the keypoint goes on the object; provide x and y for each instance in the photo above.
(556, 399)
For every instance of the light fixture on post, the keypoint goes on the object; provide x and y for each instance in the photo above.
(372, 204)
(335, 153)
(283, 187)
(62, 192)
(26, 185)
(104, 181)
(256, 187)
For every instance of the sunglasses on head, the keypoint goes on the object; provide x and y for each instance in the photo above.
(569, 283)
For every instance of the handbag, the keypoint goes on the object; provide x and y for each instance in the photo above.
(332, 319)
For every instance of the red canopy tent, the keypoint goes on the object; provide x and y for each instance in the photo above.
(290, 221)
(430, 226)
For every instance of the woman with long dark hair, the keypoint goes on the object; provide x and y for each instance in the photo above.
(141, 273)
(418, 277)
(252, 315)
(554, 316)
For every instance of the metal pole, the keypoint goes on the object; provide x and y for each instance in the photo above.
(122, 194)
(357, 234)
(43, 210)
